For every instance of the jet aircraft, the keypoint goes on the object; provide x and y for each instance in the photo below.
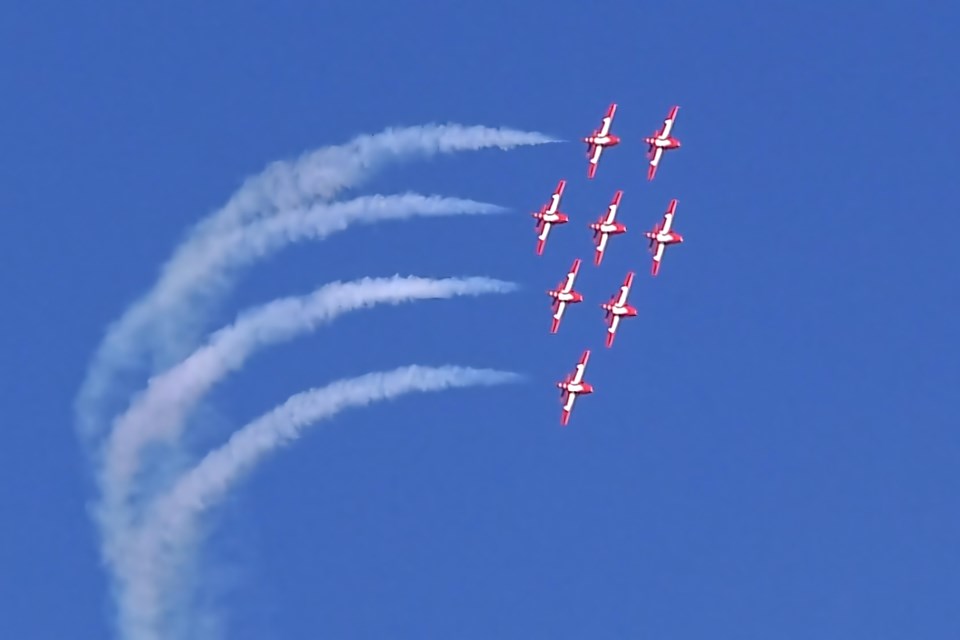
(549, 215)
(607, 226)
(661, 141)
(572, 386)
(662, 236)
(600, 139)
(618, 308)
(564, 294)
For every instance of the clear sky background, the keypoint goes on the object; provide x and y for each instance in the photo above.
(772, 449)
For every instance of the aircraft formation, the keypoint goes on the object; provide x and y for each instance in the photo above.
(606, 226)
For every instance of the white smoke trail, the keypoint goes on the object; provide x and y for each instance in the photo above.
(325, 172)
(318, 174)
(210, 269)
(168, 317)
(150, 563)
(158, 413)
(280, 206)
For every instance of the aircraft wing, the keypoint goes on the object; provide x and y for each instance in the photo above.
(581, 368)
(601, 247)
(567, 408)
(555, 198)
(607, 120)
(594, 159)
(668, 123)
(542, 238)
(612, 330)
(657, 257)
(625, 290)
(612, 208)
(558, 315)
(654, 161)
(668, 216)
(567, 285)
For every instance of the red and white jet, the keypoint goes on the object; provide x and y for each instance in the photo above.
(618, 308)
(663, 235)
(549, 215)
(572, 386)
(606, 226)
(599, 139)
(661, 141)
(564, 295)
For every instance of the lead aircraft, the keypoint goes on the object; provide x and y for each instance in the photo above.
(572, 386)
(549, 215)
(661, 141)
(564, 295)
(600, 139)
(618, 308)
(662, 236)
(607, 226)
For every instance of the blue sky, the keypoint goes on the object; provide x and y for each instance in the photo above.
(771, 450)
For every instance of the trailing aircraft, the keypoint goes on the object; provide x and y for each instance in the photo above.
(572, 386)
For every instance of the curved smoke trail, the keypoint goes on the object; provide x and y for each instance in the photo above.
(320, 174)
(191, 285)
(156, 555)
(158, 413)
(286, 203)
